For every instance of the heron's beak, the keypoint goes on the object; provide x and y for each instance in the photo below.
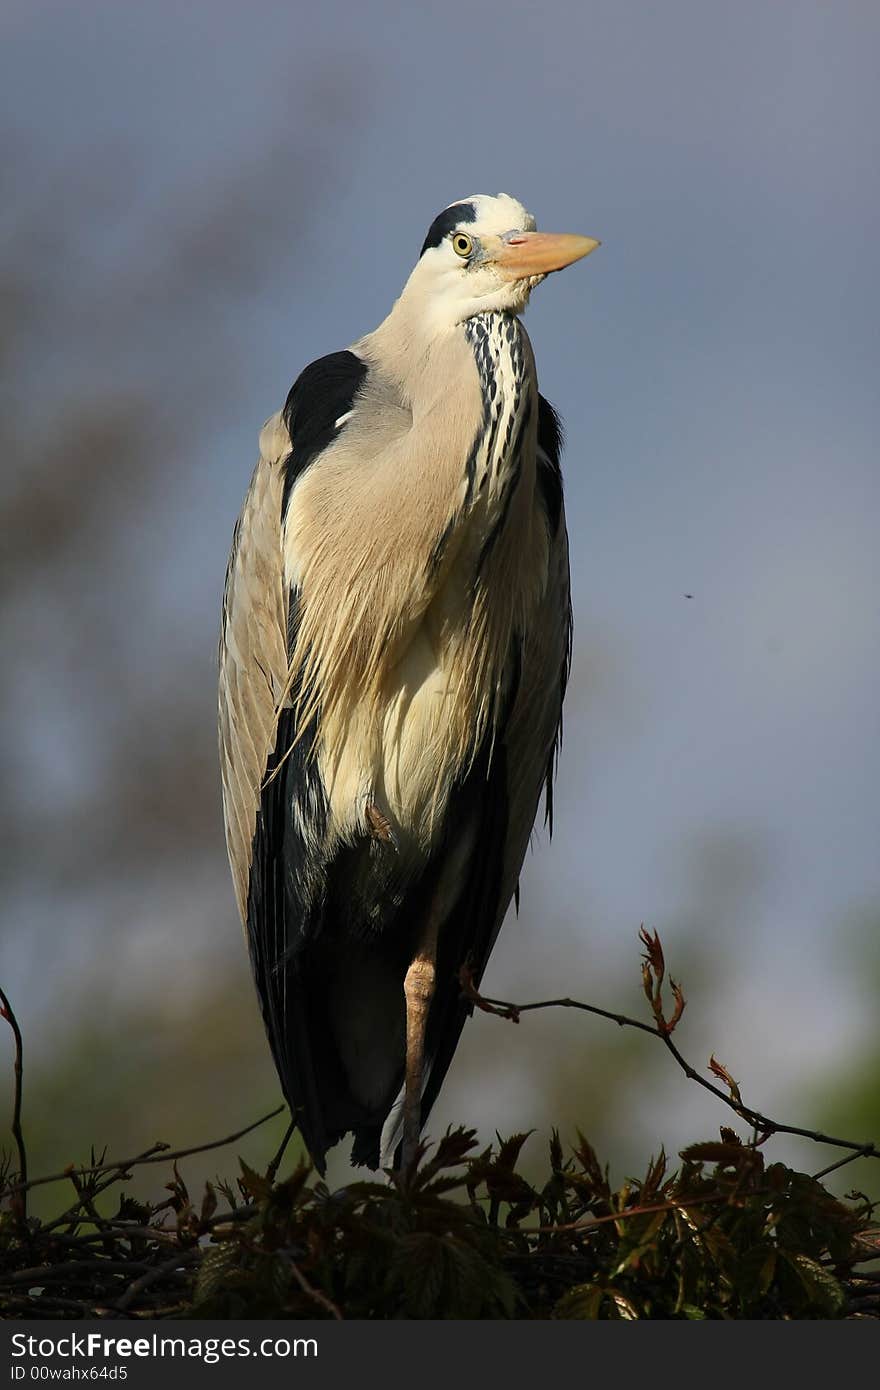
(538, 253)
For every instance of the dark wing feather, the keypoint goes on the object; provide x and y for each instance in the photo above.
(473, 925)
(551, 438)
(550, 442)
(284, 911)
(274, 803)
(321, 396)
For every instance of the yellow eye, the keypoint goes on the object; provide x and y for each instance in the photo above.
(462, 244)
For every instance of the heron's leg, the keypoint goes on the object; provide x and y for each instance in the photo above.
(276, 1161)
(418, 988)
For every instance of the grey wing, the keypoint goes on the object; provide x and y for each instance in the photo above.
(273, 803)
(253, 654)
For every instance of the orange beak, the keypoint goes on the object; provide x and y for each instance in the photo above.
(539, 253)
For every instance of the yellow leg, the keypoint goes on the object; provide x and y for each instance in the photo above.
(418, 988)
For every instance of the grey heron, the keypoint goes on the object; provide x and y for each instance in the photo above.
(395, 647)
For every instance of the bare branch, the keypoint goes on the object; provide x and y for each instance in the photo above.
(19, 1193)
(180, 1261)
(504, 1009)
(311, 1292)
(653, 970)
(150, 1156)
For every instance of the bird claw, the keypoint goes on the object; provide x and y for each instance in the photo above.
(379, 826)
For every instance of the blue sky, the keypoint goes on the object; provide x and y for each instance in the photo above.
(715, 364)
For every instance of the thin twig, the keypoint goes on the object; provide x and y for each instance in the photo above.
(311, 1292)
(504, 1008)
(33, 1303)
(762, 1122)
(40, 1273)
(863, 1152)
(585, 1224)
(150, 1156)
(153, 1276)
(7, 1012)
(119, 1231)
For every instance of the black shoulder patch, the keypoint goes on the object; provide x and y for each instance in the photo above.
(323, 392)
(446, 222)
(549, 469)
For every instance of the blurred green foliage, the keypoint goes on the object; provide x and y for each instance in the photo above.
(850, 1097)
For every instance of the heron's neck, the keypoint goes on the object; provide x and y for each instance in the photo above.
(502, 353)
(407, 350)
(508, 386)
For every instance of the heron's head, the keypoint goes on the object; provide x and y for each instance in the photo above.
(484, 254)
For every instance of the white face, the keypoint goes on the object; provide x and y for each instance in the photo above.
(461, 273)
(483, 254)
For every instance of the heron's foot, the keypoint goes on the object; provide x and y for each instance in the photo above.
(379, 826)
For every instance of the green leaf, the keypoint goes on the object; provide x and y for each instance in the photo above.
(754, 1271)
(583, 1301)
(256, 1184)
(218, 1261)
(824, 1292)
(692, 1313)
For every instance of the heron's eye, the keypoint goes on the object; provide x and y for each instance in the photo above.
(462, 244)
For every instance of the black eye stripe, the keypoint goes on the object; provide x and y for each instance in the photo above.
(446, 222)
